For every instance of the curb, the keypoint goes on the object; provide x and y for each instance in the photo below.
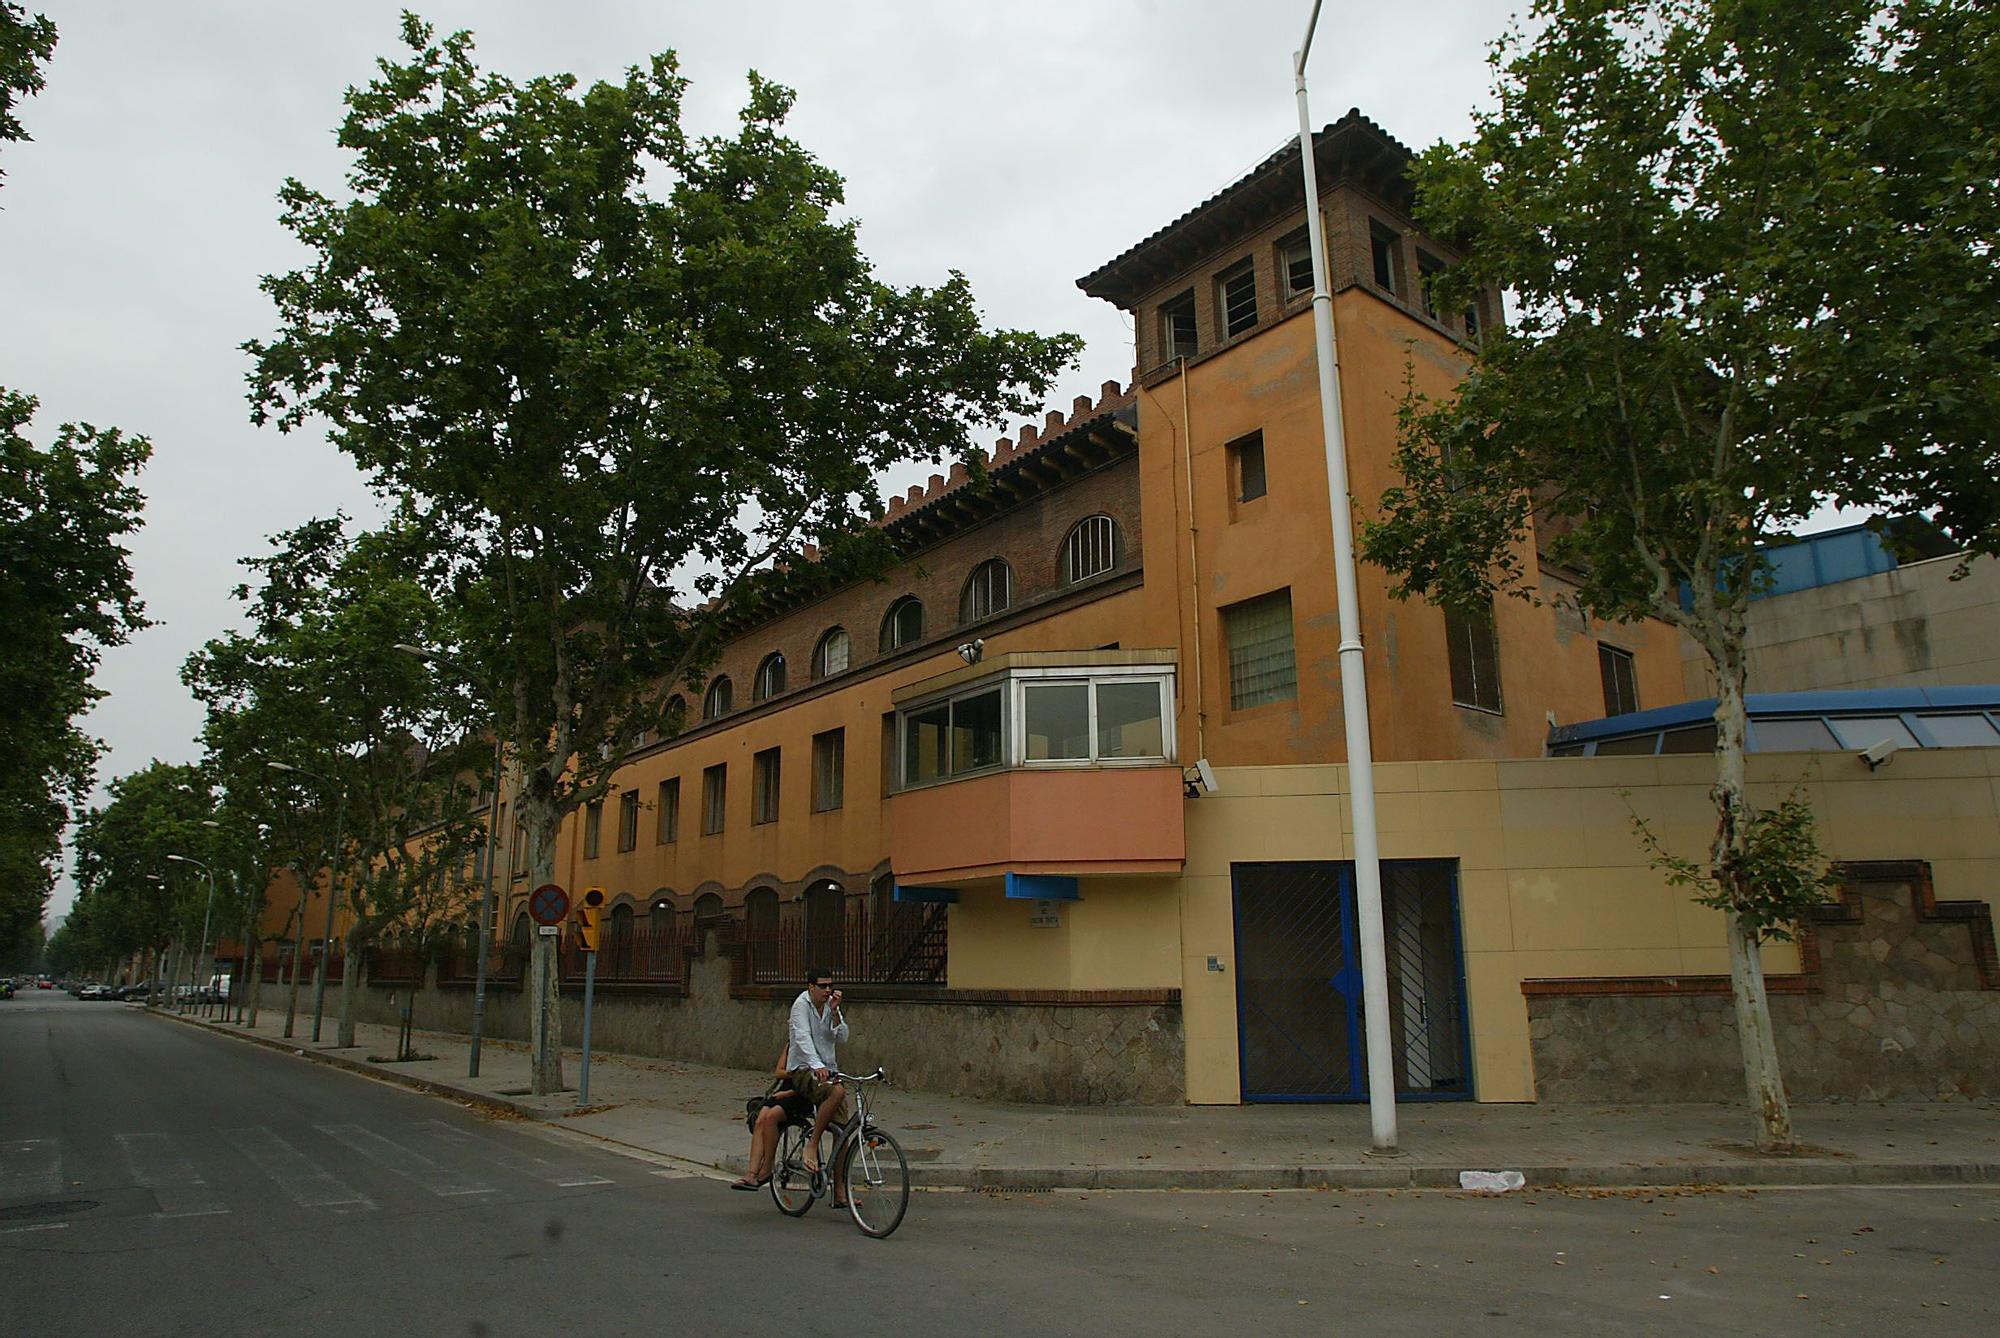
(1810, 1172)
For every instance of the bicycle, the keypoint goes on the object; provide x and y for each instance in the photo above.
(867, 1161)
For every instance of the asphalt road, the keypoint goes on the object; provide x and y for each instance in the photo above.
(159, 1180)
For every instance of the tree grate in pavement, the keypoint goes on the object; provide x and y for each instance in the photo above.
(41, 1212)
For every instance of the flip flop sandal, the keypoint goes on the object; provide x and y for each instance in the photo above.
(749, 1186)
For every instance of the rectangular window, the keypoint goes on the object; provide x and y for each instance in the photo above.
(1129, 723)
(670, 811)
(952, 738)
(829, 770)
(518, 865)
(1058, 721)
(1238, 289)
(1261, 664)
(1472, 321)
(1428, 269)
(714, 793)
(1246, 467)
(1177, 329)
(1473, 647)
(593, 828)
(628, 820)
(764, 769)
(1383, 251)
(1621, 687)
(1295, 262)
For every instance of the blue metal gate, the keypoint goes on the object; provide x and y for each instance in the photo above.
(1298, 981)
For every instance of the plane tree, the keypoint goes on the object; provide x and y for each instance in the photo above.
(1751, 250)
(613, 367)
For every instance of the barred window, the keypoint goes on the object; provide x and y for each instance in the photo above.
(1473, 647)
(1090, 550)
(989, 590)
(903, 625)
(1295, 260)
(1177, 327)
(770, 678)
(833, 653)
(1238, 288)
(1262, 667)
(721, 696)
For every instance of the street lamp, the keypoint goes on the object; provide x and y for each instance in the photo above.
(492, 846)
(1353, 675)
(206, 914)
(332, 886)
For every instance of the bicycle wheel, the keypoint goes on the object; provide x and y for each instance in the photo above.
(791, 1183)
(876, 1176)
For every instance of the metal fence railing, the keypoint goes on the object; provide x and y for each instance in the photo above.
(894, 943)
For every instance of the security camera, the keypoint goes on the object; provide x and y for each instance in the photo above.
(972, 650)
(1200, 779)
(1877, 754)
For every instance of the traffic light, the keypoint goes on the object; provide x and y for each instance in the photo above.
(587, 911)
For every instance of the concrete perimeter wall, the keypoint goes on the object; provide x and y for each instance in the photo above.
(1556, 900)
(1066, 1051)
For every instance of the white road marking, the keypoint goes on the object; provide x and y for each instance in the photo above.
(309, 1185)
(439, 1180)
(175, 1183)
(538, 1167)
(39, 1226)
(30, 1168)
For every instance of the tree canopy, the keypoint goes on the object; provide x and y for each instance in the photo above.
(65, 509)
(611, 367)
(1751, 248)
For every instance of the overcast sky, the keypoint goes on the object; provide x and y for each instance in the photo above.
(1023, 144)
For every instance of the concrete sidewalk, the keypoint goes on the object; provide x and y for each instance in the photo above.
(694, 1113)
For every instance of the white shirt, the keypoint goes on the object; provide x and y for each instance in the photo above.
(813, 1034)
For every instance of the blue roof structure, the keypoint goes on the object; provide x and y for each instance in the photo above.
(1916, 709)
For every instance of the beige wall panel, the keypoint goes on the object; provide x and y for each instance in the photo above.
(1572, 908)
(1125, 933)
(1502, 1065)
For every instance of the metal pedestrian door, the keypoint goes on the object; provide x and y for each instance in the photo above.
(1298, 981)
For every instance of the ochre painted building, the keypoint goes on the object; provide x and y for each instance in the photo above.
(966, 788)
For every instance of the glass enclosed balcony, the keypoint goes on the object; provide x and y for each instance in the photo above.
(1037, 763)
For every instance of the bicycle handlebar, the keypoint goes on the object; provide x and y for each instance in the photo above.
(879, 1075)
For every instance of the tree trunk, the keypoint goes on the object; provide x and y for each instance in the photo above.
(292, 993)
(350, 984)
(544, 996)
(1762, 1079)
(253, 972)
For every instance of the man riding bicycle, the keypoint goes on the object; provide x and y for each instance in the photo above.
(817, 1026)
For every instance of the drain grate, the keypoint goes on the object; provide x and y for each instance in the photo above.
(37, 1212)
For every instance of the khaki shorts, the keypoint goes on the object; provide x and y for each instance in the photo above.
(816, 1089)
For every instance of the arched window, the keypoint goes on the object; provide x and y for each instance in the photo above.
(826, 928)
(989, 590)
(1090, 550)
(721, 696)
(661, 916)
(770, 677)
(621, 921)
(674, 717)
(707, 906)
(760, 934)
(833, 653)
(903, 625)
